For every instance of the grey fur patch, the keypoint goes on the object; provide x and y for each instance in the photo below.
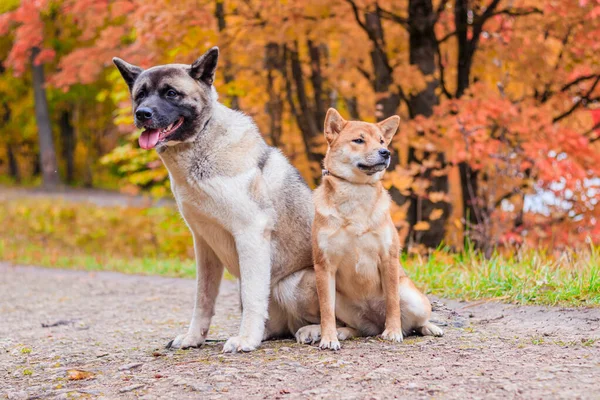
(299, 177)
(264, 158)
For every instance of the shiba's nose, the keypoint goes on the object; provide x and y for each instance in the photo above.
(143, 114)
(385, 153)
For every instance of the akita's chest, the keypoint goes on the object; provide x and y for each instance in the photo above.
(214, 211)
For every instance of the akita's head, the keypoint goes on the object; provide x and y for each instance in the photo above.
(358, 151)
(172, 102)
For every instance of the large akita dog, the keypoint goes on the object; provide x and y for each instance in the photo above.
(247, 207)
(355, 243)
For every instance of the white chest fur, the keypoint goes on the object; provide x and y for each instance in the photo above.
(215, 209)
(355, 235)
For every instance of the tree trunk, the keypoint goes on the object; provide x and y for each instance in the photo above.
(274, 108)
(352, 106)
(304, 112)
(48, 163)
(468, 177)
(227, 73)
(387, 101)
(13, 165)
(422, 53)
(67, 134)
(423, 44)
(463, 69)
(469, 187)
(316, 78)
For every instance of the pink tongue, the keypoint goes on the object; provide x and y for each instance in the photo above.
(149, 138)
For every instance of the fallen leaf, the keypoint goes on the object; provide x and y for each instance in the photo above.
(77, 374)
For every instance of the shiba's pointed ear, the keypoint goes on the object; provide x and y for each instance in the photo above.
(333, 124)
(203, 69)
(389, 127)
(128, 71)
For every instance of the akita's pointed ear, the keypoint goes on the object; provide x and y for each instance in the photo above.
(334, 123)
(128, 71)
(203, 69)
(389, 127)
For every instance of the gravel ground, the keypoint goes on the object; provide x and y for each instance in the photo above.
(112, 328)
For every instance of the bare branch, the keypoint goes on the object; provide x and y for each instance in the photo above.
(357, 16)
(446, 37)
(394, 17)
(364, 73)
(578, 80)
(593, 129)
(508, 195)
(517, 12)
(579, 101)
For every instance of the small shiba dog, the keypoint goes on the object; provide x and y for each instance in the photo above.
(355, 244)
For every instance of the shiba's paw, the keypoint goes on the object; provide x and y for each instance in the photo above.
(186, 341)
(328, 342)
(394, 335)
(430, 329)
(308, 334)
(239, 344)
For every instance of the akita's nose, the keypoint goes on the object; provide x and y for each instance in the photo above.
(143, 114)
(385, 153)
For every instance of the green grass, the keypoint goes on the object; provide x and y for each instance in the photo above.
(34, 254)
(527, 277)
(155, 241)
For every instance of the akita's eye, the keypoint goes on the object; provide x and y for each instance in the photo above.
(141, 94)
(171, 93)
(358, 141)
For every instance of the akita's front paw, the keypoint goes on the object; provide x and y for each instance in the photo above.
(393, 334)
(308, 334)
(240, 343)
(430, 329)
(330, 342)
(186, 341)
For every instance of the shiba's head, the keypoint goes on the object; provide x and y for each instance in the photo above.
(172, 102)
(358, 151)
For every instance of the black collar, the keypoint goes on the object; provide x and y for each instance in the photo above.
(326, 172)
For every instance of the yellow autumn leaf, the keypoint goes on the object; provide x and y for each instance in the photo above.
(401, 182)
(436, 197)
(421, 226)
(436, 214)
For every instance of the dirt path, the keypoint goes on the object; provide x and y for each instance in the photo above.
(115, 326)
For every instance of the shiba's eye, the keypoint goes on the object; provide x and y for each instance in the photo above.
(171, 93)
(381, 141)
(359, 141)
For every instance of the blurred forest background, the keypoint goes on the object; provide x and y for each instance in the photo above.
(499, 144)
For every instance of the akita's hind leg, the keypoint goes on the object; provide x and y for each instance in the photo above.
(294, 304)
(430, 329)
(311, 334)
(416, 310)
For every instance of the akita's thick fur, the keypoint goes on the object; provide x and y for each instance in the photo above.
(247, 207)
(355, 244)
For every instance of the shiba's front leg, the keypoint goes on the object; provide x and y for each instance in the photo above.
(325, 276)
(209, 271)
(391, 284)
(254, 253)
